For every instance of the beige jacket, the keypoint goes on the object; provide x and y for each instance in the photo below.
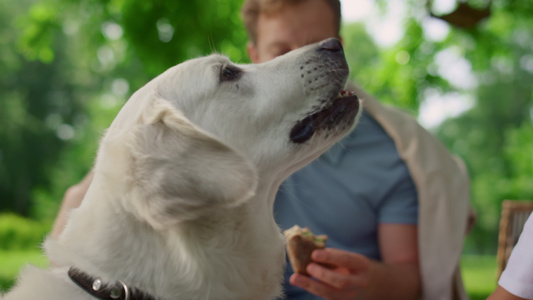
(443, 187)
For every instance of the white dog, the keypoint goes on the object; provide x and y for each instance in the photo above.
(181, 202)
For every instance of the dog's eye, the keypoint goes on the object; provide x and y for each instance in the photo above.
(229, 73)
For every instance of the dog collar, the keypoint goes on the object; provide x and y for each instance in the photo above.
(98, 289)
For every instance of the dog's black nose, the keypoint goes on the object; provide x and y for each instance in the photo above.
(331, 44)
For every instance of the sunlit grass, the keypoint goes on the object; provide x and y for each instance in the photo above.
(479, 275)
(11, 262)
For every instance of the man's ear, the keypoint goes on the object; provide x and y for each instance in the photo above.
(182, 172)
(252, 52)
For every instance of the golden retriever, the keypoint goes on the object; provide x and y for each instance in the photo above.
(180, 206)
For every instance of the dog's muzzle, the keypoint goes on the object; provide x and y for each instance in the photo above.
(341, 112)
(339, 108)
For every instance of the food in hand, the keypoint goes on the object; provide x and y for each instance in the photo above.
(301, 243)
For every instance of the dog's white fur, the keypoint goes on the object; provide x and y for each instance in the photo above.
(185, 178)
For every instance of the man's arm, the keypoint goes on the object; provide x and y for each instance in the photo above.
(72, 199)
(502, 294)
(354, 276)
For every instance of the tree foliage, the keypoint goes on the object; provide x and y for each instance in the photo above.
(495, 136)
(68, 66)
(36, 100)
(67, 72)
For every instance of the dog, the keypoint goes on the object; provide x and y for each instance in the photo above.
(181, 204)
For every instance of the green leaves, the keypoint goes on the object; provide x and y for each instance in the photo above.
(67, 66)
(490, 63)
(39, 27)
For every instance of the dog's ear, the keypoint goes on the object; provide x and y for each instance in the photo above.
(181, 172)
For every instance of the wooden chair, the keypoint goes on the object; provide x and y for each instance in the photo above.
(514, 215)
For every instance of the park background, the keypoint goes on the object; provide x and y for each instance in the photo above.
(463, 68)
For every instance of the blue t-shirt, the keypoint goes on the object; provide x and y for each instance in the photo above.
(359, 183)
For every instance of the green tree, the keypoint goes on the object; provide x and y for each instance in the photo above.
(34, 109)
(67, 71)
(494, 137)
(495, 38)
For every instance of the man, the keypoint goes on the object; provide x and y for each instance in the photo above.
(280, 28)
(368, 194)
(361, 192)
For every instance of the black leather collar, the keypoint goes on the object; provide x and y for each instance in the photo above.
(103, 291)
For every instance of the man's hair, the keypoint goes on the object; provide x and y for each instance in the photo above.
(252, 8)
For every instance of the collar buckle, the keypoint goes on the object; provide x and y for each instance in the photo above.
(97, 288)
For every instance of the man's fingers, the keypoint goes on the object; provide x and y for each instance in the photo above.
(331, 256)
(334, 274)
(339, 278)
(313, 286)
(321, 289)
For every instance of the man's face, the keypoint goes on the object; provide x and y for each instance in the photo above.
(290, 28)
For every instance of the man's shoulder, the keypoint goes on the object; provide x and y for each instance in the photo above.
(386, 115)
(405, 130)
(368, 141)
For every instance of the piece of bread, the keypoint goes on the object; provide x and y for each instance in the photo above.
(301, 242)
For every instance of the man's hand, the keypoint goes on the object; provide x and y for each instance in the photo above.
(347, 273)
(340, 275)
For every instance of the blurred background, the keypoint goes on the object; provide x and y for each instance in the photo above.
(464, 68)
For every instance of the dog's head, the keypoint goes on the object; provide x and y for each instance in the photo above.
(207, 128)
